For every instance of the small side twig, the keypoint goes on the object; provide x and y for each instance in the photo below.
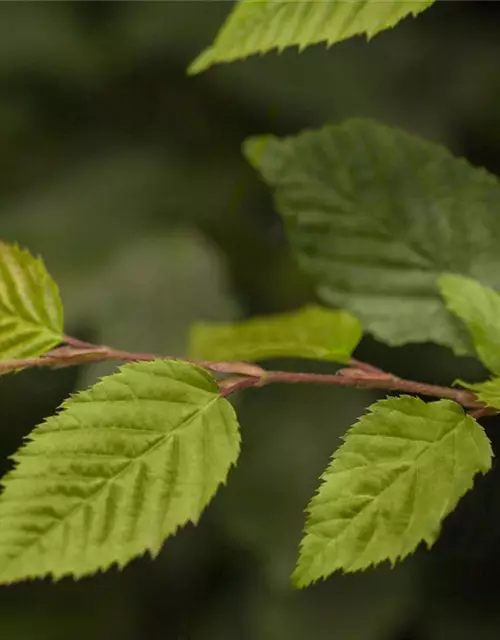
(233, 385)
(366, 367)
(482, 412)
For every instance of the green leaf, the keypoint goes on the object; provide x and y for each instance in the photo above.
(258, 27)
(119, 469)
(402, 469)
(376, 215)
(487, 392)
(31, 316)
(479, 308)
(312, 332)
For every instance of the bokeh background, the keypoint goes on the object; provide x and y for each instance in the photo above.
(127, 176)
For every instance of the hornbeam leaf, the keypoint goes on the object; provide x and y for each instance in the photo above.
(260, 26)
(376, 215)
(120, 468)
(31, 316)
(479, 308)
(403, 467)
(312, 332)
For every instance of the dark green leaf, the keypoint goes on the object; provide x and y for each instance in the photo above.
(375, 215)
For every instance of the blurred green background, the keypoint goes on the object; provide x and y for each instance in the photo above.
(126, 175)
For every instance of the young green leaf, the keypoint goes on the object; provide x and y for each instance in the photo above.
(402, 469)
(31, 316)
(258, 27)
(119, 469)
(487, 392)
(375, 215)
(479, 308)
(312, 332)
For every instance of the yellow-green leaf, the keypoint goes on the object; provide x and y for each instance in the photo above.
(260, 26)
(478, 307)
(312, 332)
(402, 469)
(31, 315)
(119, 469)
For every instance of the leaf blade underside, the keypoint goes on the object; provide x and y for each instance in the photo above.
(311, 332)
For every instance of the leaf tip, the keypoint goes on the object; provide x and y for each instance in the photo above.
(301, 576)
(253, 149)
(202, 62)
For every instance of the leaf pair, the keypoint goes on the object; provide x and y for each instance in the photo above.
(125, 463)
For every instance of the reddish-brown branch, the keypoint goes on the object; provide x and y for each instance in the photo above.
(482, 412)
(78, 352)
(245, 375)
(237, 384)
(364, 366)
(79, 344)
(389, 383)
